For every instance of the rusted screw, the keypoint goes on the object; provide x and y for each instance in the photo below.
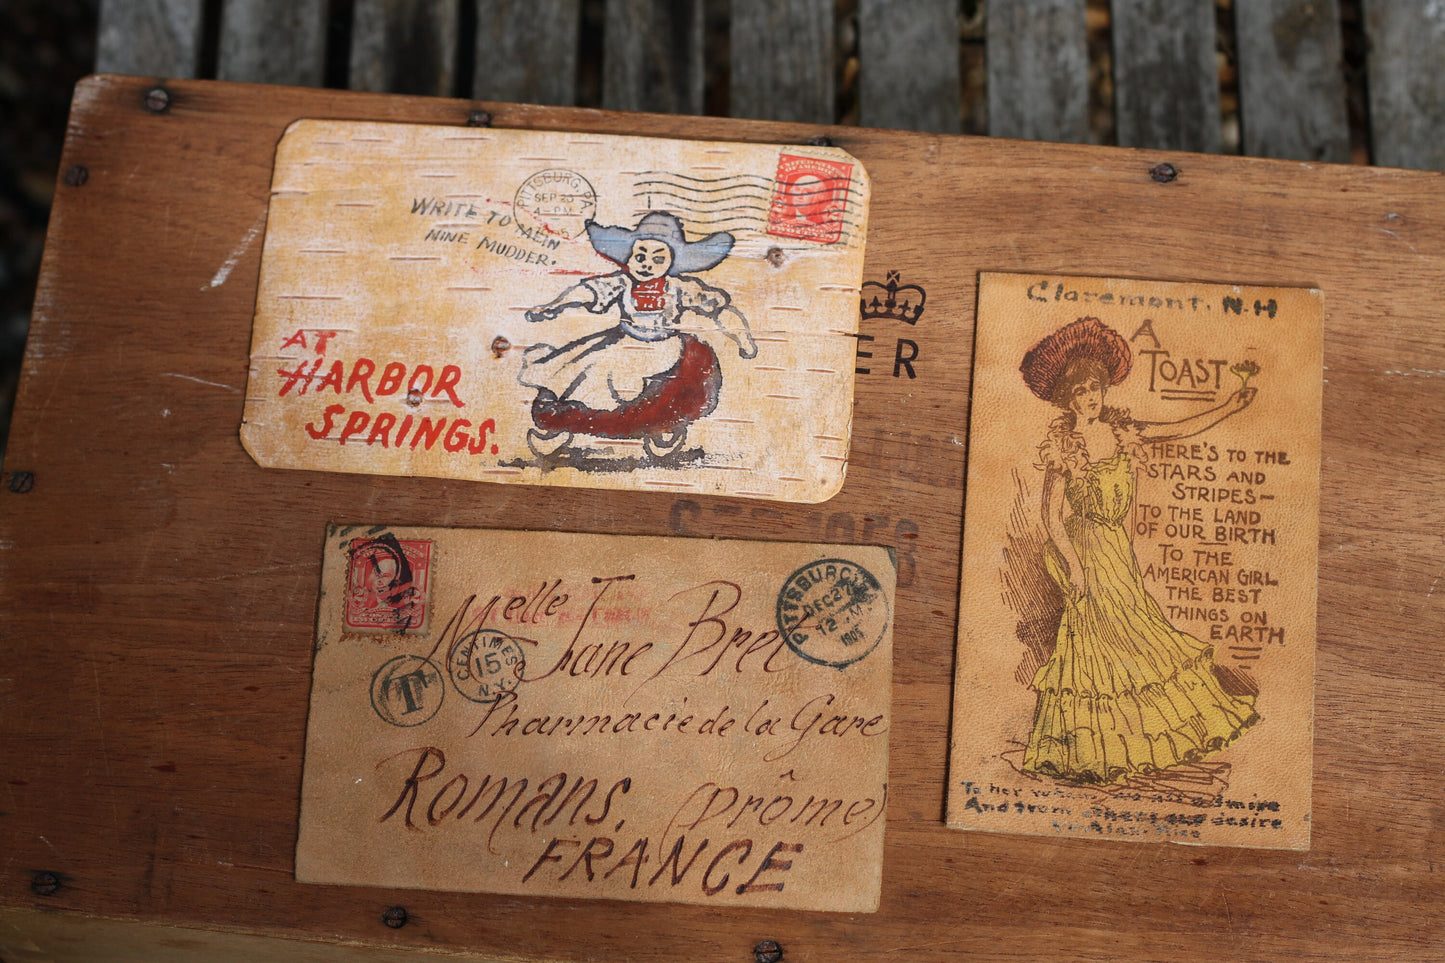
(768, 951)
(22, 481)
(479, 118)
(775, 256)
(500, 346)
(1164, 173)
(158, 100)
(395, 917)
(77, 175)
(413, 397)
(819, 141)
(44, 884)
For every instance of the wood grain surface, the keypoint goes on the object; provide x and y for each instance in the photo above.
(782, 60)
(1166, 81)
(1291, 80)
(1038, 70)
(652, 57)
(161, 38)
(273, 41)
(527, 51)
(158, 589)
(404, 46)
(908, 76)
(1407, 82)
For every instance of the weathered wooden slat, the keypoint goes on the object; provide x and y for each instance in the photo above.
(908, 65)
(404, 46)
(527, 50)
(1038, 70)
(160, 38)
(1291, 80)
(273, 42)
(1166, 81)
(1407, 82)
(652, 56)
(782, 60)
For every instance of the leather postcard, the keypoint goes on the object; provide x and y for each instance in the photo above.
(599, 716)
(1137, 620)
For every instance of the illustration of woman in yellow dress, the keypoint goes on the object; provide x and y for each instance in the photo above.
(1124, 693)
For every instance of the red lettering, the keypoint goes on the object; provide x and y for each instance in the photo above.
(427, 433)
(355, 425)
(333, 377)
(479, 447)
(456, 440)
(329, 414)
(417, 373)
(361, 370)
(380, 429)
(391, 377)
(299, 339)
(300, 375)
(451, 377)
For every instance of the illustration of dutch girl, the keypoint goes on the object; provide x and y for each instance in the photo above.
(644, 377)
(1124, 692)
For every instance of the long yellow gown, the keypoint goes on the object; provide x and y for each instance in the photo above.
(1124, 693)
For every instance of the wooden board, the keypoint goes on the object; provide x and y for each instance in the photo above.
(1038, 70)
(1166, 83)
(1407, 86)
(157, 37)
(273, 41)
(404, 46)
(158, 596)
(782, 60)
(1291, 81)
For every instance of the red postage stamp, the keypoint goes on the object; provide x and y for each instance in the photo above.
(810, 196)
(386, 584)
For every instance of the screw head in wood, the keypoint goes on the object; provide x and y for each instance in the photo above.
(394, 917)
(768, 951)
(158, 100)
(77, 175)
(44, 884)
(479, 118)
(21, 481)
(1164, 173)
(819, 141)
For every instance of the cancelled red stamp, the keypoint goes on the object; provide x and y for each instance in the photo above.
(810, 197)
(386, 583)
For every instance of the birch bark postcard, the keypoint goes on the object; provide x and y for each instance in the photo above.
(600, 716)
(1137, 619)
(557, 308)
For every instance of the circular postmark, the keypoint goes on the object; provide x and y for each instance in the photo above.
(554, 203)
(486, 663)
(832, 612)
(407, 690)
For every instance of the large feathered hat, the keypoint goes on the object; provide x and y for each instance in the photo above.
(615, 243)
(1045, 362)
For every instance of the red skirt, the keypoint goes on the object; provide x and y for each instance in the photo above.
(680, 395)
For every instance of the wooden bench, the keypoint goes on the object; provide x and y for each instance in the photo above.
(782, 59)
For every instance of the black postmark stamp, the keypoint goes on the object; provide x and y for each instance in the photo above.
(554, 203)
(407, 690)
(486, 663)
(833, 612)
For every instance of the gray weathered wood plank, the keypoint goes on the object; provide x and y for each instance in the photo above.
(404, 46)
(1166, 79)
(908, 65)
(527, 50)
(1038, 70)
(1291, 80)
(652, 56)
(782, 60)
(1407, 82)
(158, 38)
(273, 42)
